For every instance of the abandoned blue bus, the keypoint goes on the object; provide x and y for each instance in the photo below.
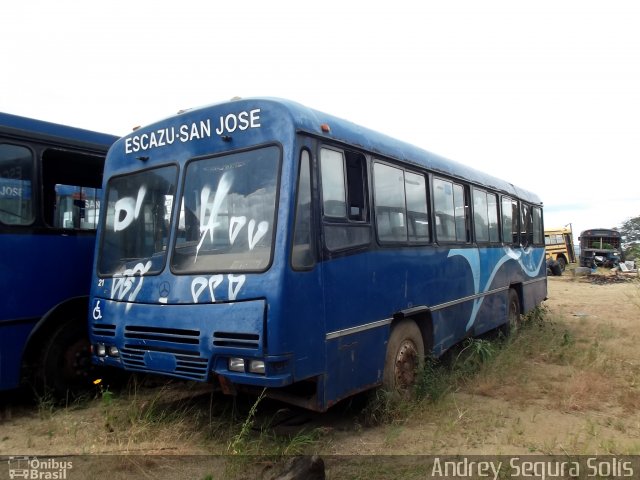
(259, 244)
(50, 193)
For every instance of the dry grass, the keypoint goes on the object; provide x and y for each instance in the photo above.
(585, 391)
(566, 383)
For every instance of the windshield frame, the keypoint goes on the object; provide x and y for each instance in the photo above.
(276, 207)
(103, 223)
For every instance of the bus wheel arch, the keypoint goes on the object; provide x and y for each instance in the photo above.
(57, 357)
(409, 338)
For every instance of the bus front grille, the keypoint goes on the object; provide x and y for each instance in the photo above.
(103, 330)
(181, 362)
(169, 335)
(236, 340)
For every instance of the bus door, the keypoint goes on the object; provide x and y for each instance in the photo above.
(348, 273)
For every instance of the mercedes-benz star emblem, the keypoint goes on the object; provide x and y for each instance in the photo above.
(164, 289)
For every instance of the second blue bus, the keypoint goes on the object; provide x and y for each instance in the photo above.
(50, 197)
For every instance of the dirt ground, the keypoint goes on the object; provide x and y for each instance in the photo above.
(576, 392)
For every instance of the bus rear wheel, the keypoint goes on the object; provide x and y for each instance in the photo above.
(513, 314)
(404, 357)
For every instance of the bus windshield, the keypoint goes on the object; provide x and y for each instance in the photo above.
(227, 213)
(137, 221)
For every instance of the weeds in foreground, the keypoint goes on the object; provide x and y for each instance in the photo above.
(462, 364)
(240, 440)
(252, 440)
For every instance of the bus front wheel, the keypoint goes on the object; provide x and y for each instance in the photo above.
(65, 363)
(404, 357)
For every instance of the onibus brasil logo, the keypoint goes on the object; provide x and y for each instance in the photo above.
(34, 468)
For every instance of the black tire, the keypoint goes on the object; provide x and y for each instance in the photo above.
(562, 263)
(404, 357)
(513, 313)
(556, 270)
(64, 369)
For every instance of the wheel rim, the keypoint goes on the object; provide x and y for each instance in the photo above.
(77, 364)
(406, 365)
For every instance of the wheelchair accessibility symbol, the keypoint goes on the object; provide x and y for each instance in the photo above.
(97, 313)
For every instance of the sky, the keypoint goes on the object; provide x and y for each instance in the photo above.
(543, 94)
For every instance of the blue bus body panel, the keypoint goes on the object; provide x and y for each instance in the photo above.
(65, 266)
(12, 341)
(465, 290)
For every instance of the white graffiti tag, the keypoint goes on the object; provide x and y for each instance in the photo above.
(130, 208)
(237, 223)
(210, 209)
(207, 225)
(199, 284)
(131, 278)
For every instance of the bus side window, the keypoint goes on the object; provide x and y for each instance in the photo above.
(417, 211)
(526, 233)
(538, 232)
(356, 186)
(485, 216)
(390, 203)
(444, 210)
(16, 195)
(334, 203)
(302, 252)
(451, 203)
(461, 203)
(480, 215)
(344, 199)
(71, 189)
(510, 215)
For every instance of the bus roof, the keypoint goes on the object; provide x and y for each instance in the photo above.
(601, 232)
(18, 127)
(308, 120)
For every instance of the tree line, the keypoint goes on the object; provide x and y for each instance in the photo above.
(630, 231)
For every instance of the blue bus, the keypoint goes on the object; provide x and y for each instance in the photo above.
(260, 244)
(50, 195)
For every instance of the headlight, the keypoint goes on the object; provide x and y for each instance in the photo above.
(256, 366)
(236, 364)
(100, 350)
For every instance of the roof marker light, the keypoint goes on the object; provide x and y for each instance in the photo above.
(325, 128)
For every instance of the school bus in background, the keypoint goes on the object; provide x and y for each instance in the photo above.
(600, 247)
(558, 245)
